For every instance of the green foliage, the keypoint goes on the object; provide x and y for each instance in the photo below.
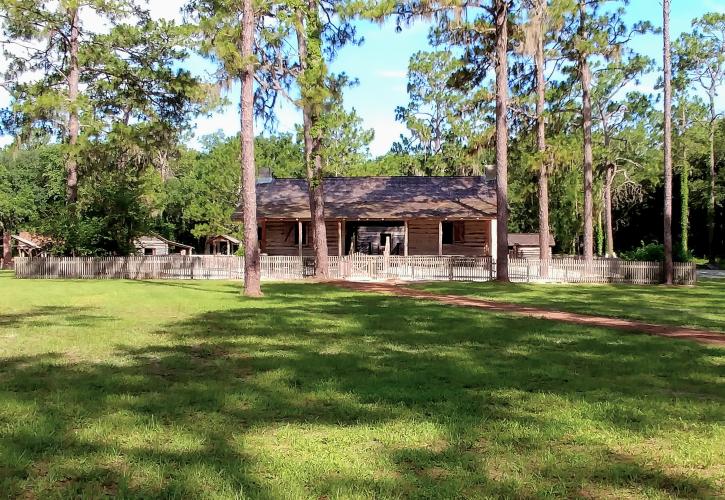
(655, 252)
(28, 182)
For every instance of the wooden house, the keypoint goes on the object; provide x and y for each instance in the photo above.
(526, 245)
(154, 244)
(418, 215)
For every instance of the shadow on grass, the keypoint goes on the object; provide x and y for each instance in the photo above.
(179, 418)
(81, 317)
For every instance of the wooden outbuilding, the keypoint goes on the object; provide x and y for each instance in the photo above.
(526, 245)
(154, 244)
(31, 245)
(414, 215)
(222, 244)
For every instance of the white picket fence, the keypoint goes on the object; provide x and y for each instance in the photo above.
(353, 267)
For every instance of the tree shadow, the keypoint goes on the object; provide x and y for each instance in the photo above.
(39, 317)
(184, 416)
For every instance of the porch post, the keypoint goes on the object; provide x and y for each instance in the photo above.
(405, 241)
(299, 236)
(339, 238)
(440, 238)
(493, 238)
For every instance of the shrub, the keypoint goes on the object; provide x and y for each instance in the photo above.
(655, 252)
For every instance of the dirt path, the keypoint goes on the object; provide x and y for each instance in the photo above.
(702, 336)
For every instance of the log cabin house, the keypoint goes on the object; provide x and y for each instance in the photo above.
(414, 215)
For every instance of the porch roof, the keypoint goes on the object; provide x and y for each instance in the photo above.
(380, 198)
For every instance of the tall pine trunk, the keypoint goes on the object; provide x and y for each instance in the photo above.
(7, 250)
(667, 56)
(711, 198)
(608, 217)
(252, 271)
(544, 231)
(684, 186)
(71, 164)
(309, 30)
(586, 81)
(502, 268)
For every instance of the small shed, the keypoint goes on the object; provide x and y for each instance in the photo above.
(31, 245)
(526, 245)
(154, 244)
(222, 244)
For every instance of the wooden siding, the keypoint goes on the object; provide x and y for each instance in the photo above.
(528, 252)
(280, 238)
(423, 234)
(158, 246)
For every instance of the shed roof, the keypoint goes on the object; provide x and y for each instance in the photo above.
(380, 198)
(527, 239)
(145, 240)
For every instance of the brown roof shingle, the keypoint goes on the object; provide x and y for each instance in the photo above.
(527, 239)
(380, 198)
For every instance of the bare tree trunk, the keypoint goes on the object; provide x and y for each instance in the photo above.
(313, 160)
(586, 77)
(667, 56)
(252, 272)
(684, 186)
(544, 231)
(608, 218)
(7, 250)
(74, 127)
(502, 264)
(711, 199)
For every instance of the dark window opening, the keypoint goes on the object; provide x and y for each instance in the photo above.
(305, 234)
(454, 232)
(149, 251)
(384, 237)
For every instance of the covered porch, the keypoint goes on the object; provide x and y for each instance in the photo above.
(424, 236)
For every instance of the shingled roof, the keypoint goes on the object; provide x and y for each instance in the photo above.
(380, 198)
(528, 239)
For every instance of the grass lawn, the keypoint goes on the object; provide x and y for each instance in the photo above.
(184, 389)
(700, 306)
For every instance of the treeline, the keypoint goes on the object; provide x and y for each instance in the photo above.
(546, 95)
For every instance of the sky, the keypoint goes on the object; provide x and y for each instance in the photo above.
(380, 66)
(381, 63)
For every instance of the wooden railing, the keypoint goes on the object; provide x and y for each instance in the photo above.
(353, 267)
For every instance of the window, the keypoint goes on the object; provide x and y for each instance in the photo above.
(454, 232)
(305, 233)
(149, 251)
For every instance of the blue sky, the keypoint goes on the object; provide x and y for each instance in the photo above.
(380, 65)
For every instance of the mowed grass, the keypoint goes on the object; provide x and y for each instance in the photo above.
(701, 306)
(185, 389)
